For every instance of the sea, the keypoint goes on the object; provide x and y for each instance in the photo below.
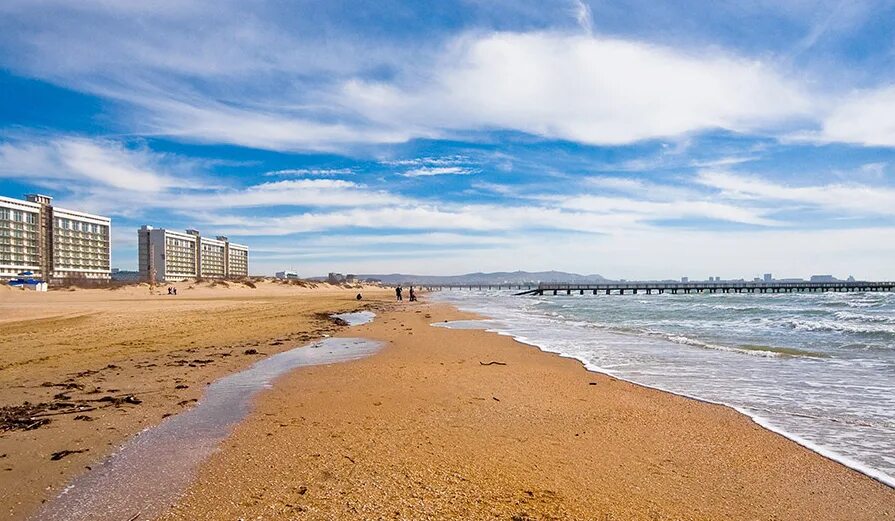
(818, 368)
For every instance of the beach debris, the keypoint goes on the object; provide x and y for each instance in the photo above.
(56, 456)
(187, 402)
(592, 383)
(250, 352)
(496, 399)
(119, 400)
(492, 363)
(302, 490)
(64, 385)
(181, 386)
(84, 418)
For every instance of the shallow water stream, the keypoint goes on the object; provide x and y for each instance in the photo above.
(152, 469)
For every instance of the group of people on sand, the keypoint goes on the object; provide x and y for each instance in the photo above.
(399, 292)
(172, 290)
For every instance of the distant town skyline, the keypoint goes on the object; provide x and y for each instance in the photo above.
(439, 137)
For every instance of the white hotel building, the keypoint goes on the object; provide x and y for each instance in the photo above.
(169, 256)
(53, 243)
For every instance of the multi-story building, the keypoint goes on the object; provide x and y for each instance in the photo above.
(212, 258)
(53, 243)
(165, 255)
(237, 259)
(169, 256)
(20, 237)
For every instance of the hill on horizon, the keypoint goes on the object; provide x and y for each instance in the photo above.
(499, 277)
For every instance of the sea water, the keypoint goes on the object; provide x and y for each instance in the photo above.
(818, 368)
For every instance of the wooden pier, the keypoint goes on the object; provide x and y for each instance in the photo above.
(678, 288)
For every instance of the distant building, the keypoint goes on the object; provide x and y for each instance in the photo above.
(685, 279)
(850, 279)
(335, 278)
(51, 242)
(351, 278)
(286, 275)
(768, 277)
(126, 276)
(169, 256)
(823, 278)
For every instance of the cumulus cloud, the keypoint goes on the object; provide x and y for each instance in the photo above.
(865, 117)
(582, 88)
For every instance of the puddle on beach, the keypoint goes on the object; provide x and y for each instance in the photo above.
(357, 318)
(151, 470)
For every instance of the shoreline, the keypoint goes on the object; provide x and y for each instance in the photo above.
(104, 365)
(761, 421)
(229, 465)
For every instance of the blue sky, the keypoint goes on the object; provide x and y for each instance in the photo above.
(630, 139)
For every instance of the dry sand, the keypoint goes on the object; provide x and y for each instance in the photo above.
(92, 349)
(423, 430)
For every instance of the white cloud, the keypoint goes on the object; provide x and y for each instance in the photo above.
(866, 118)
(582, 88)
(654, 210)
(282, 130)
(853, 199)
(427, 161)
(103, 162)
(316, 172)
(427, 171)
(295, 192)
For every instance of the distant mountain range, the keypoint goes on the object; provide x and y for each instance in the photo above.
(500, 277)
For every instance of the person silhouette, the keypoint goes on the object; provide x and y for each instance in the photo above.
(398, 291)
(412, 295)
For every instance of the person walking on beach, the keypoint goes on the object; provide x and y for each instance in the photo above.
(398, 292)
(412, 295)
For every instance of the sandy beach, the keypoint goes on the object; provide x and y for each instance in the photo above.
(81, 371)
(440, 424)
(465, 424)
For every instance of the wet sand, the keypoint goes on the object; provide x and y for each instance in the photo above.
(435, 426)
(101, 365)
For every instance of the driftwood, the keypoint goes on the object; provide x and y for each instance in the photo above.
(492, 363)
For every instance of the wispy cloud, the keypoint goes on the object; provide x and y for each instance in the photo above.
(854, 199)
(427, 161)
(316, 172)
(583, 16)
(99, 161)
(428, 171)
